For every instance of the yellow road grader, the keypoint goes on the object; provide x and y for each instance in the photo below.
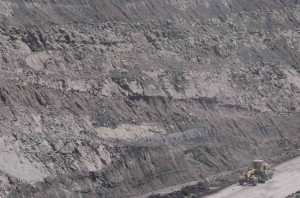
(261, 172)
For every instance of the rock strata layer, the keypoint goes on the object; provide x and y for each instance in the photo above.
(113, 98)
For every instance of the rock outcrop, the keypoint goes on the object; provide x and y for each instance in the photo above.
(115, 98)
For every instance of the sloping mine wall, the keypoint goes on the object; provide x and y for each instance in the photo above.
(107, 98)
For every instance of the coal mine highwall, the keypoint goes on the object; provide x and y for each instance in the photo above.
(111, 98)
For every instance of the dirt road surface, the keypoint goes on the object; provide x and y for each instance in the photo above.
(286, 181)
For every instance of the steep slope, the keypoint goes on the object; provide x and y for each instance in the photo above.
(119, 98)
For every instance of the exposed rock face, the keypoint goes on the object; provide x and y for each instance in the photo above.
(118, 98)
(295, 195)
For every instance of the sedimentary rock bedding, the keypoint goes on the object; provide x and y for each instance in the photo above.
(115, 98)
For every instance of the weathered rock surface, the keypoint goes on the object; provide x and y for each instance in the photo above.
(294, 195)
(115, 98)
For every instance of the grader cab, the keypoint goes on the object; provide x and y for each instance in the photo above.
(261, 172)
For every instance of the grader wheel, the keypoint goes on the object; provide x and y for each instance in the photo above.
(271, 175)
(254, 181)
(241, 181)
